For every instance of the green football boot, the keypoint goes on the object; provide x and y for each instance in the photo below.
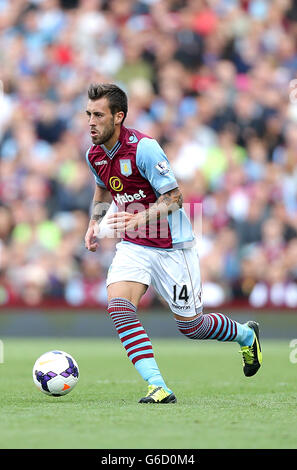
(252, 355)
(158, 395)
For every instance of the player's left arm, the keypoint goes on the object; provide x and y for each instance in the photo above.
(166, 203)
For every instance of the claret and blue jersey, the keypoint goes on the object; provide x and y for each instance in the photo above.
(136, 171)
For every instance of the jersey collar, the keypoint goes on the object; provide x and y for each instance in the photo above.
(111, 153)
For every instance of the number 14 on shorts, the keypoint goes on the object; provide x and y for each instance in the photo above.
(180, 293)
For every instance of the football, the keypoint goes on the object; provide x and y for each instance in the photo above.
(55, 373)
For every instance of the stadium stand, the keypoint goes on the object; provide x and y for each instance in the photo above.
(214, 81)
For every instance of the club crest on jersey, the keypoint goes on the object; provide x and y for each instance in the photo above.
(126, 167)
(162, 167)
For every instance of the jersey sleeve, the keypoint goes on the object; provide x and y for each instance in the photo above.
(153, 165)
(98, 181)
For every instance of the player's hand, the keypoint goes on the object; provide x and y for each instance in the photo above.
(122, 221)
(91, 242)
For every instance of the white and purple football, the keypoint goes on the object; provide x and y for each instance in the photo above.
(55, 373)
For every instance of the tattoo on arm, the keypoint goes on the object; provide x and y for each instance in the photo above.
(99, 210)
(101, 203)
(173, 200)
(165, 204)
(95, 215)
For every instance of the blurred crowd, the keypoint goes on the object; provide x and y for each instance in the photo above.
(214, 81)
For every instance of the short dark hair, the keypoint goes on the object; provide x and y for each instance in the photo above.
(117, 98)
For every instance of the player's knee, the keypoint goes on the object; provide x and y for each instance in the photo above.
(190, 327)
(120, 305)
(185, 332)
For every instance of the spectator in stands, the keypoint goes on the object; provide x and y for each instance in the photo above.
(210, 80)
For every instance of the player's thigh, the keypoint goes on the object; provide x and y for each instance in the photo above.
(176, 277)
(130, 290)
(129, 274)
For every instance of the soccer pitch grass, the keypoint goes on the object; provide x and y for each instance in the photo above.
(218, 408)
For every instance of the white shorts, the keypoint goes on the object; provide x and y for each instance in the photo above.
(175, 275)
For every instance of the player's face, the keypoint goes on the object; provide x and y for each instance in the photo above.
(101, 121)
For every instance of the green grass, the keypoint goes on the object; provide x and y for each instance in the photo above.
(217, 406)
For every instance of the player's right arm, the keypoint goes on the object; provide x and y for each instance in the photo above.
(101, 201)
